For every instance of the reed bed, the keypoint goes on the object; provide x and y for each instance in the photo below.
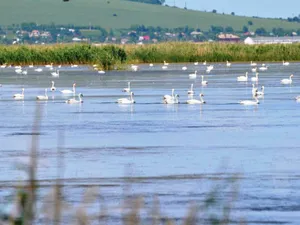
(212, 52)
(114, 56)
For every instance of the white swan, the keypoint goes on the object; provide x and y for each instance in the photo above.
(184, 68)
(165, 63)
(254, 70)
(263, 68)
(203, 82)
(74, 101)
(3, 66)
(30, 66)
(59, 66)
(164, 67)
(249, 102)
(55, 74)
(191, 91)
(298, 98)
(134, 67)
(287, 81)
(24, 72)
(261, 93)
(151, 65)
(127, 89)
(228, 64)
(18, 71)
(126, 100)
(173, 100)
(74, 65)
(38, 70)
(73, 91)
(42, 97)
(101, 72)
(285, 63)
(169, 96)
(49, 66)
(196, 101)
(19, 96)
(243, 78)
(253, 64)
(254, 90)
(52, 86)
(209, 68)
(193, 75)
(204, 63)
(255, 79)
(18, 67)
(196, 63)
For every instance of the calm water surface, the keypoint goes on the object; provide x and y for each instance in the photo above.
(177, 152)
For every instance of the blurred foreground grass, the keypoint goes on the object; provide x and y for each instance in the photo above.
(26, 209)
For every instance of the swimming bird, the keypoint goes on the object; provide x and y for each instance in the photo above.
(285, 63)
(228, 64)
(196, 63)
(250, 102)
(184, 68)
(74, 101)
(151, 65)
(19, 96)
(254, 90)
(196, 101)
(73, 91)
(52, 86)
(164, 67)
(24, 72)
(30, 66)
(287, 81)
(49, 65)
(193, 75)
(38, 70)
(203, 82)
(253, 64)
(243, 78)
(127, 89)
(165, 63)
(55, 74)
(255, 79)
(126, 100)
(191, 91)
(204, 63)
(42, 97)
(169, 96)
(3, 66)
(173, 100)
(263, 67)
(261, 93)
(134, 67)
(254, 70)
(18, 67)
(18, 71)
(101, 72)
(298, 98)
(209, 68)
(74, 65)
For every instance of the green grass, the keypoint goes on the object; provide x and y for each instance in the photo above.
(100, 12)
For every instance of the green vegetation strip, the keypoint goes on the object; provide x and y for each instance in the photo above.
(112, 56)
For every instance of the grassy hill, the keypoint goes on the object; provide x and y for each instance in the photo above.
(100, 12)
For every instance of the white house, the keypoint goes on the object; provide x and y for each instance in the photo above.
(272, 40)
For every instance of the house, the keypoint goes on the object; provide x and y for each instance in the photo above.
(45, 34)
(228, 38)
(34, 33)
(272, 40)
(75, 39)
(195, 33)
(146, 38)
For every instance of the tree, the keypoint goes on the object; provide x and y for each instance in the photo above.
(250, 23)
(229, 29)
(214, 11)
(261, 31)
(232, 13)
(245, 29)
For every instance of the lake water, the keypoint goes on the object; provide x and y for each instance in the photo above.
(176, 152)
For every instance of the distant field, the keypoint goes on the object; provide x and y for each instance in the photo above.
(100, 12)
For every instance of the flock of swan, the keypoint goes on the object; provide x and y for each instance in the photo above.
(167, 99)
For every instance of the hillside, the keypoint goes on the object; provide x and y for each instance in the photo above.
(100, 12)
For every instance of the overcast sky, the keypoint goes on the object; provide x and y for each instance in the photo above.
(263, 8)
